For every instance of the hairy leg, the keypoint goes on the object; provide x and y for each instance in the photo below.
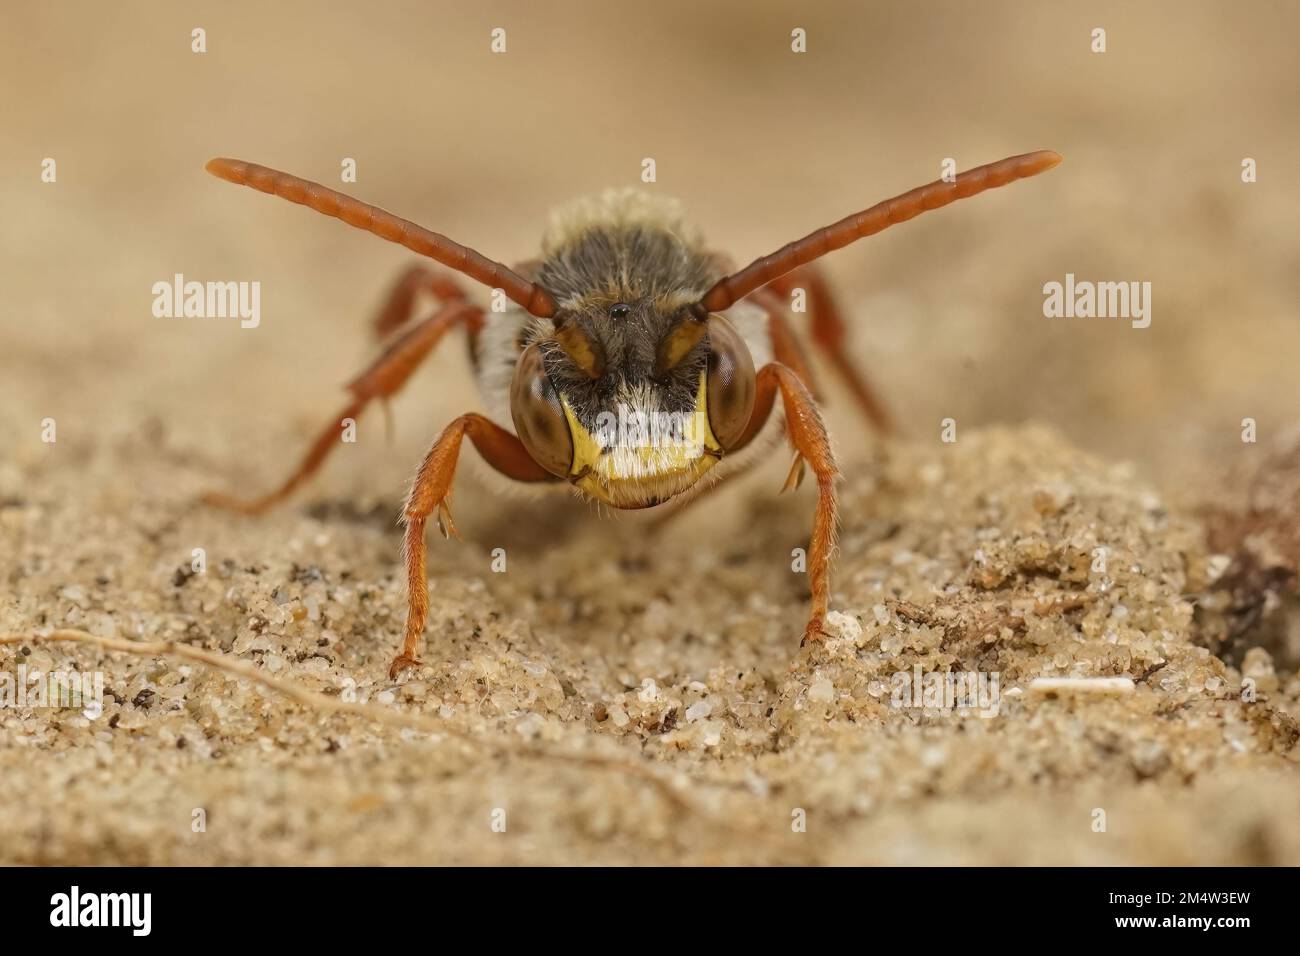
(385, 376)
(807, 433)
(432, 492)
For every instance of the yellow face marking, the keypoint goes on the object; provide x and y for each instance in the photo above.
(646, 457)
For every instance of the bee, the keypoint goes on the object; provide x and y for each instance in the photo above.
(631, 364)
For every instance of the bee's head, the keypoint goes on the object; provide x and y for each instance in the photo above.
(632, 399)
(634, 392)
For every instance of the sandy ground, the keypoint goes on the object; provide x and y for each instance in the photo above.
(618, 695)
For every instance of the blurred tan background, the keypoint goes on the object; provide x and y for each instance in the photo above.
(761, 144)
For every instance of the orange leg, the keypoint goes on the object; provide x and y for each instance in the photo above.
(385, 376)
(830, 332)
(432, 492)
(803, 423)
(400, 304)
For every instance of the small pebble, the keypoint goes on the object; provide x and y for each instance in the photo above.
(699, 710)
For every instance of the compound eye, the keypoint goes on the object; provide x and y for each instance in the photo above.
(730, 383)
(539, 416)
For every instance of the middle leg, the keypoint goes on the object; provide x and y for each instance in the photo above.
(830, 333)
(385, 376)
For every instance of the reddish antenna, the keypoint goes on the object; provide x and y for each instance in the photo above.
(387, 226)
(730, 290)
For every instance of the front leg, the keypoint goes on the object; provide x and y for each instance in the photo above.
(807, 433)
(432, 493)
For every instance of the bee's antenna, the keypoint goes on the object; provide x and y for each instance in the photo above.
(387, 226)
(728, 291)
